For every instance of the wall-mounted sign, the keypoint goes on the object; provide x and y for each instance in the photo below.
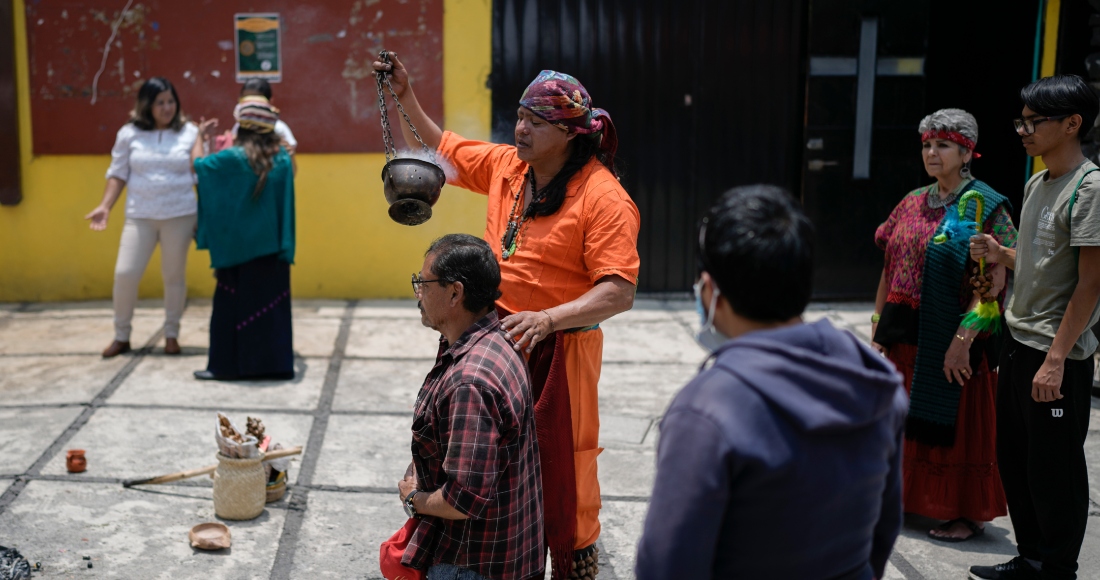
(259, 53)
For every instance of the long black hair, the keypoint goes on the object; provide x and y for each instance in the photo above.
(549, 199)
(142, 115)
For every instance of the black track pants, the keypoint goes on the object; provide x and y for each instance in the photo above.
(1040, 449)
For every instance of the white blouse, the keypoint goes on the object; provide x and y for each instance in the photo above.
(156, 166)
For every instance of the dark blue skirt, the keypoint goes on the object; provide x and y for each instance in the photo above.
(250, 328)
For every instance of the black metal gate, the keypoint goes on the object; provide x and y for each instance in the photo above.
(705, 95)
(822, 97)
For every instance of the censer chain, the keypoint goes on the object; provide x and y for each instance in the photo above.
(387, 133)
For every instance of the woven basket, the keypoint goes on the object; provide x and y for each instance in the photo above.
(239, 488)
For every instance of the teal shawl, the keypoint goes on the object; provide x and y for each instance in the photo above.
(233, 224)
(934, 402)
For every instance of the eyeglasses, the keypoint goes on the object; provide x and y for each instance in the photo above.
(1028, 125)
(417, 281)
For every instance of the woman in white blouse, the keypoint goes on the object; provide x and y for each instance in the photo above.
(152, 160)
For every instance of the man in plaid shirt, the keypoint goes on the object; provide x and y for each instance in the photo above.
(475, 480)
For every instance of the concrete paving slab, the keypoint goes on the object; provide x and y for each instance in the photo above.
(194, 335)
(133, 533)
(313, 336)
(620, 529)
(854, 314)
(342, 532)
(936, 560)
(650, 342)
(365, 451)
(619, 429)
(168, 381)
(128, 443)
(144, 307)
(1092, 458)
(892, 573)
(26, 433)
(401, 309)
(380, 385)
(202, 307)
(642, 390)
(394, 338)
(84, 335)
(646, 311)
(627, 471)
(52, 380)
(688, 318)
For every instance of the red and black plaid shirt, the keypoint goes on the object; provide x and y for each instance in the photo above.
(474, 438)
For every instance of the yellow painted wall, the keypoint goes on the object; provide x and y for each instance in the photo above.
(347, 245)
(1051, 16)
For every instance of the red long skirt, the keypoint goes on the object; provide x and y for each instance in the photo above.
(945, 483)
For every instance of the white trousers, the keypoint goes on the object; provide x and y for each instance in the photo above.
(139, 239)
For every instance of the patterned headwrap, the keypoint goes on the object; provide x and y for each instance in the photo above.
(562, 101)
(255, 113)
(952, 136)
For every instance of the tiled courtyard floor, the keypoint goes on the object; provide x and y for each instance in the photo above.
(359, 366)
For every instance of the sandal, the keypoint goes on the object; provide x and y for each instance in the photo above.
(975, 531)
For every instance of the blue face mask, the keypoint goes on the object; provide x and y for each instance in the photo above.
(708, 336)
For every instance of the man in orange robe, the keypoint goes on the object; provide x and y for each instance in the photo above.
(566, 235)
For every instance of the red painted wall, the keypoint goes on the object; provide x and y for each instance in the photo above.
(327, 96)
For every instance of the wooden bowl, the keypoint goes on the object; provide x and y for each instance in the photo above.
(210, 536)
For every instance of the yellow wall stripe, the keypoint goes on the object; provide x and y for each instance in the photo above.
(1050, 55)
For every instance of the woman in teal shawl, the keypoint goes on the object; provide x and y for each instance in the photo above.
(246, 220)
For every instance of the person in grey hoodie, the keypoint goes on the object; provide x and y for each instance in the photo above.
(782, 458)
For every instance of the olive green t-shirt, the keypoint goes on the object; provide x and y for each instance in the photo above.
(1046, 263)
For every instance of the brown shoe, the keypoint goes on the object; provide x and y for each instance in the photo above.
(171, 346)
(117, 347)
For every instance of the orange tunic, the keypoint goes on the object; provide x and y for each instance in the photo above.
(558, 258)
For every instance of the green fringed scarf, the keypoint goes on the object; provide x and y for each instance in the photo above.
(934, 402)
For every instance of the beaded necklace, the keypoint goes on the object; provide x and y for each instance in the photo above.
(934, 200)
(509, 243)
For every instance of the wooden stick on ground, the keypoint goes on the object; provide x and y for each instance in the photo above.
(170, 477)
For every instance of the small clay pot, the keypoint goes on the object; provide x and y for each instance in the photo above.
(75, 462)
(210, 536)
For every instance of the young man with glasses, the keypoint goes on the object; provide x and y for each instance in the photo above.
(1046, 368)
(475, 480)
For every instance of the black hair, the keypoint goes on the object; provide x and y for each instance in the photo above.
(757, 244)
(257, 86)
(1063, 95)
(551, 197)
(467, 259)
(142, 115)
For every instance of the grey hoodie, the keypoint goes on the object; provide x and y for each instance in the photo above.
(781, 460)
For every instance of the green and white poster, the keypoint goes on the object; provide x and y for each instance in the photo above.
(259, 53)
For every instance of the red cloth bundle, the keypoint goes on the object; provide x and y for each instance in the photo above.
(393, 549)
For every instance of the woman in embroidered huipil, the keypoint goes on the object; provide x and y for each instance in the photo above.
(950, 462)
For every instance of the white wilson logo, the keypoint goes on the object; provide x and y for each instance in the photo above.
(1056, 412)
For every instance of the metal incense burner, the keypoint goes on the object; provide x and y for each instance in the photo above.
(411, 186)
